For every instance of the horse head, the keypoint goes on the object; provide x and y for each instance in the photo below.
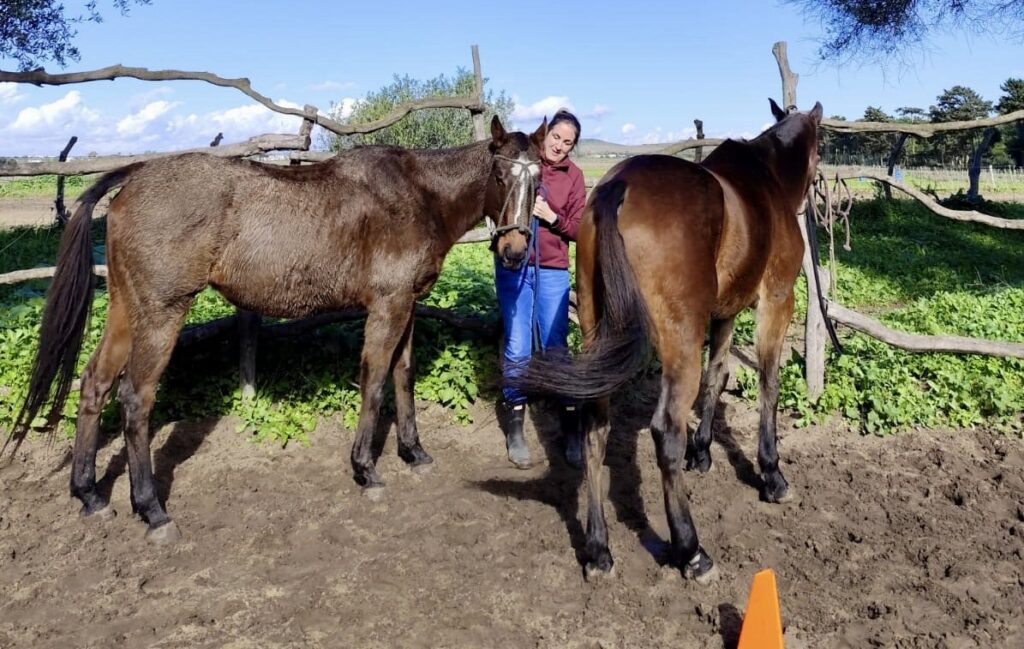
(795, 139)
(512, 190)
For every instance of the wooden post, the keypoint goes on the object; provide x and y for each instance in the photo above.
(62, 213)
(479, 128)
(698, 153)
(814, 327)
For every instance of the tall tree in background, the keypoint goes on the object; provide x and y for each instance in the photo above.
(876, 145)
(870, 30)
(424, 129)
(958, 103)
(1013, 134)
(35, 31)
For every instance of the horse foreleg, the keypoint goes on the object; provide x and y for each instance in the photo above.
(403, 375)
(385, 324)
(680, 382)
(773, 317)
(97, 379)
(698, 447)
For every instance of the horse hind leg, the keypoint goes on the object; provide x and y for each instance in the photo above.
(773, 316)
(698, 448)
(597, 555)
(150, 352)
(97, 380)
(680, 384)
(403, 374)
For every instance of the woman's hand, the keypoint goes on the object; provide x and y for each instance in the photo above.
(543, 211)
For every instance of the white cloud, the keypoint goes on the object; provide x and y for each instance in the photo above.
(597, 112)
(345, 108)
(136, 123)
(628, 128)
(237, 124)
(324, 86)
(537, 110)
(68, 112)
(9, 93)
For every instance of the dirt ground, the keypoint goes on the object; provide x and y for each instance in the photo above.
(912, 541)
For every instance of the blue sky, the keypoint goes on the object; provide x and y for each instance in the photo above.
(634, 72)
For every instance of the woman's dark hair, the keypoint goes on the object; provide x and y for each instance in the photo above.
(565, 116)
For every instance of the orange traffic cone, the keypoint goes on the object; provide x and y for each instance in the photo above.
(762, 623)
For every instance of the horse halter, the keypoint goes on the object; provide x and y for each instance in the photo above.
(523, 171)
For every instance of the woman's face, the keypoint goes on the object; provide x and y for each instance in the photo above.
(559, 141)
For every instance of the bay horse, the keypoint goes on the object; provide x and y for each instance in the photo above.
(370, 227)
(666, 246)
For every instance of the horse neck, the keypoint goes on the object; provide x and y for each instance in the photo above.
(457, 179)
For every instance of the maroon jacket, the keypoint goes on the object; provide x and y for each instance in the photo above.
(566, 194)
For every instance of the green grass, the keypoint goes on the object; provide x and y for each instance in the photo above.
(43, 186)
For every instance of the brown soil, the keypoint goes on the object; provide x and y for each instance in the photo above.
(912, 541)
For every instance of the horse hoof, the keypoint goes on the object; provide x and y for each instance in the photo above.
(697, 461)
(166, 534)
(415, 456)
(594, 573)
(701, 568)
(374, 493)
(103, 514)
(775, 489)
(601, 567)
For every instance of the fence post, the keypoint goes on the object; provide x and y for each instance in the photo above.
(62, 213)
(479, 131)
(698, 153)
(814, 326)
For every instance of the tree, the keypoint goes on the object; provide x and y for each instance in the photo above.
(33, 31)
(423, 129)
(876, 145)
(873, 29)
(958, 103)
(1013, 134)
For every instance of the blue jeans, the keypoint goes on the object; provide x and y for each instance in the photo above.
(518, 292)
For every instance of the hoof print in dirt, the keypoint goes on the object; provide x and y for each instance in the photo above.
(166, 534)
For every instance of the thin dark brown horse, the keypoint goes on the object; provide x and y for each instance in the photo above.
(665, 247)
(370, 228)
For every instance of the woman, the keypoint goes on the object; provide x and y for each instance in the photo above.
(534, 300)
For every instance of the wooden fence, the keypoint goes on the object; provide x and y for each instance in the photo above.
(248, 324)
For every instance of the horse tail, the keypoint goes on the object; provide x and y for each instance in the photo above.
(66, 314)
(618, 346)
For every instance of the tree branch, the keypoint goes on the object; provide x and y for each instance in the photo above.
(920, 130)
(958, 215)
(921, 343)
(252, 146)
(682, 145)
(41, 77)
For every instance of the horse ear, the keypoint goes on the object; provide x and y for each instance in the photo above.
(542, 131)
(816, 112)
(778, 112)
(498, 134)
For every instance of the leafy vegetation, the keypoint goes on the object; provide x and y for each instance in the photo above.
(911, 269)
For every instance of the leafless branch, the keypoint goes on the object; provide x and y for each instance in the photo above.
(920, 130)
(958, 215)
(252, 146)
(41, 77)
(920, 343)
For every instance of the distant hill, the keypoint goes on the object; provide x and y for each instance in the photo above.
(593, 147)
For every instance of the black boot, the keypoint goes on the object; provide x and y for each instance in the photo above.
(572, 433)
(514, 417)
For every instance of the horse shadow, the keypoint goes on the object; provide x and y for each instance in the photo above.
(560, 484)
